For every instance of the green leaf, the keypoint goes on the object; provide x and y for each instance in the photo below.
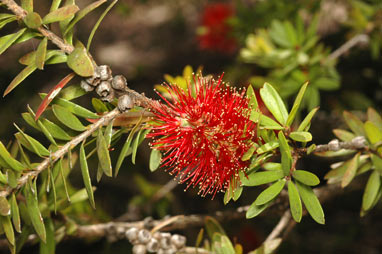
(67, 118)
(32, 144)
(5, 208)
(259, 178)
(98, 105)
(55, 4)
(274, 103)
(327, 84)
(305, 123)
(135, 146)
(294, 202)
(50, 246)
(270, 193)
(63, 178)
(6, 21)
(46, 132)
(8, 229)
(213, 227)
(15, 213)
(296, 104)
(27, 5)
(86, 176)
(34, 211)
(301, 136)
(41, 53)
(33, 20)
(374, 117)
(9, 160)
(7, 40)
(377, 162)
(56, 131)
(371, 190)
(72, 92)
(350, 171)
(252, 98)
(267, 147)
(373, 133)
(343, 135)
(155, 159)
(60, 14)
(311, 203)
(30, 120)
(268, 123)
(286, 156)
(255, 210)
(103, 154)
(82, 13)
(20, 77)
(73, 107)
(80, 62)
(306, 177)
(248, 154)
(98, 23)
(354, 123)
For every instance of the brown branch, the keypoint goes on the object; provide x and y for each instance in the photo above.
(62, 151)
(357, 143)
(356, 40)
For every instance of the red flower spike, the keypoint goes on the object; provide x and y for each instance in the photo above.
(203, 133)
(215, 32)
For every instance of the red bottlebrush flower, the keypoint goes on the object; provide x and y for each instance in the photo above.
(215, 32)
(203, 133)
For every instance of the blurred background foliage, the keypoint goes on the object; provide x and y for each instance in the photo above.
(252, 41)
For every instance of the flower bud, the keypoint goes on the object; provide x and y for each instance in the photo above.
(86, 86)
(153, 245)
(132, 234)
(178, 241)
(139, 249)
(125, 103)
(144, 236)
(119, 82)
(103, 72)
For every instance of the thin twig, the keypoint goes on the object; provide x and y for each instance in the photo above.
(62, 151)
(358, 39)
(357, 143)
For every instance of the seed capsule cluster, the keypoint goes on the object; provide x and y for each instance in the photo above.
(108, 87)
(159, 242)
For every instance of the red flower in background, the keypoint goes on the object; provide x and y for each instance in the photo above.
(203, 134)
(215, 32)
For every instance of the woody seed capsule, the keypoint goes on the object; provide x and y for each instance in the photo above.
(139, 249)
(86, 86)
(131, 234)
(153, 245)
(119, 82)
(165, 241)
(125, 103)
(104, 72)
(103, 89)
(178, 241)
(144, 236)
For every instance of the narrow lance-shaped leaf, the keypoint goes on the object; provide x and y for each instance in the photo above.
(60, 14)
(50, 246)
(34, 211)
(374, 117)
(354, 123)
(255, 210)
(373, 133)
(267, 147)
(305, 123)
(286, 156)
(52, 94)
(15, 213)
(301, 136)
(103, 154)
(311, 203)
(80, 62)
(8, 229)
(86, 176)
(252, 98)
(126, 147)
(11, 162)
(344, 135)
(263, 177)
(19, 78)
(274, 103)
(350, 171)
(5, 208)
(63, 178)
(27, 5)
(294, 202)
(7, 40)
(82, 13)
(306, 177)
(31, 144)
(371, 190)
(296, 104)
(270, 193)
(56, 131)
(41, 53)
(67, 118)
(55, 4)
(155, 159)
